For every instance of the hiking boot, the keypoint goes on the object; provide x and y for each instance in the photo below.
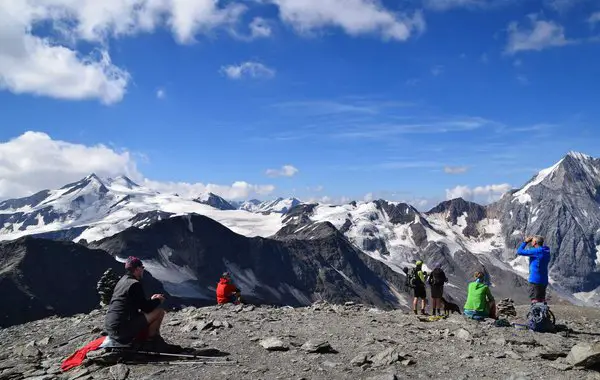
(415, 311)
(423, 312)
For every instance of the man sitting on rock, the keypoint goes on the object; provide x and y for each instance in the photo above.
(130, 315)
(226, 291)
(539, 259)
(480, 302)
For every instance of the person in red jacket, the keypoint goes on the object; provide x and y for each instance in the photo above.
(227, 291)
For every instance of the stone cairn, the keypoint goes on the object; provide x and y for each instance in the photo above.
(506, 308)
(106, 285)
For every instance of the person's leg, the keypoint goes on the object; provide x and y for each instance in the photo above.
(492, 310)
(415, 300)
(154, 318)
(423, 305)
(532, 292)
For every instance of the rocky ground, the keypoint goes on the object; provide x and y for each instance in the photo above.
(355, 342)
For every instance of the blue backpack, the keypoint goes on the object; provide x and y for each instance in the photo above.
(540, 318)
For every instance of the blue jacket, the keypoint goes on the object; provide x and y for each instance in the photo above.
(539, 259)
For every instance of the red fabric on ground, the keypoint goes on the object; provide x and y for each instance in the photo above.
(77, 358)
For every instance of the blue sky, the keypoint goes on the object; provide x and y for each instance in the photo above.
(402, 100)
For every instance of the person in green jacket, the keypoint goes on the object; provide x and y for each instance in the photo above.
(480, 302)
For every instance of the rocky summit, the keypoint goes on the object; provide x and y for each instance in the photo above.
(320, 341)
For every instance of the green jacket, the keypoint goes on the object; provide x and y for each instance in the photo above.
(478, 297)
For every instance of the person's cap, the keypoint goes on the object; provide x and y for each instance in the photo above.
(419, 263)
(226, 274)
(133, 262)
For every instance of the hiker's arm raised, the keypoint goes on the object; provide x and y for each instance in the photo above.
(140, 300)
(531, 252)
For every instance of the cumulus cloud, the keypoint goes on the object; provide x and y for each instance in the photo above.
(437, 70)
(236, 191)
(34, 161)
(540, 35)
(161, 93)
(455, 169)
(479, 194)
(285, 171)
(248, 69)
(444, 5)
(368, 197)
(355, 17)
(259, 28)
(49, 65)
(594, 18)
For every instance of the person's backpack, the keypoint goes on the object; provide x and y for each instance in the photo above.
(413, 279)
(540, 318)
(437, 277)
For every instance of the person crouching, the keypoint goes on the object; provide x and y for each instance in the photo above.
(131, 316)
(226, 291)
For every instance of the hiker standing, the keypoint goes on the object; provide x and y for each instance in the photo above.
(480, 302)
(436, 280)
(130, 315)
(417, 282)
(227, 291)
(539, 260)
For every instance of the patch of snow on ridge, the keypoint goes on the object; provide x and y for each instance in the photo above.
(521, 195)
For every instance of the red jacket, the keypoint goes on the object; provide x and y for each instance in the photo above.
(225, 290)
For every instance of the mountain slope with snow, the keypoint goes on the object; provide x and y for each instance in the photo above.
(100, 208)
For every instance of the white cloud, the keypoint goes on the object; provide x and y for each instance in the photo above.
(455, 169)
(594, 18)
(368, 197)
(236, 191)
(479, 194)
(259, 28)
(285, 171)
(522, 79)
(562, 6)
(50, 65)
(542, 35)
(355, 17)
(248, 69)
(161, 93)
(443, 5)
(437, 70)
(34, 161)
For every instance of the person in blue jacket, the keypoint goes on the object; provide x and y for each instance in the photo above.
(539, 260)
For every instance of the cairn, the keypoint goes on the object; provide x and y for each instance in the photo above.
(106, 285)
(506, 308)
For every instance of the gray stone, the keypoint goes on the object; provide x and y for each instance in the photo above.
(173, 323)
(584, 355)
(408, 362)
(466, 356)
(44, 342)
(360, 360)
(119, 372)
(386, 357)
(462, 334)
(386, 376)
(317, 346)
(512, 355)
(273, 344)
(79, 373)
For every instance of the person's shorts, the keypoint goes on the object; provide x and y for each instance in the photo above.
(437, 291)
(420, 292)
(476, 315)
(131, 330)
(537, 291)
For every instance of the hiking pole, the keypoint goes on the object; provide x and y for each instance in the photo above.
(192, 362)
(155, 353)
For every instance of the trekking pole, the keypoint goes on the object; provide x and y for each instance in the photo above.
(155, 353)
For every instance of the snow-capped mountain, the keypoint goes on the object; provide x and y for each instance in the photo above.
(561, 203)
(93, 208)
(215, 201)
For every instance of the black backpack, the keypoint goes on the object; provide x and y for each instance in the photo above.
(412, 279)
(540, 318)
(437, 277)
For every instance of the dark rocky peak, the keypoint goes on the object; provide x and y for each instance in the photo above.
(215, 201)
(300, 214)
(146, 218)
(31, 201)
(399, 213)
(458, 207)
